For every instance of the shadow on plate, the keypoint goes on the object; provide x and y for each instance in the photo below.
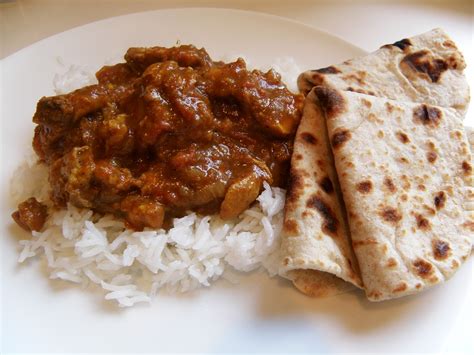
(279, 299)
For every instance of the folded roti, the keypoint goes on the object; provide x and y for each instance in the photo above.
(470, 203)
(427, 68)
(406, 176)
(316, 251)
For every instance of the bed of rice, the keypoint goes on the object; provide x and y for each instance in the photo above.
(130, 266)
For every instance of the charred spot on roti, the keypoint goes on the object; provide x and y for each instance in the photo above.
(424, 63)
(418, 286)
(441, 249)
(340, 137)
(357, 76)
(450, 44)
(326, 185)
(360, 91)
(309, 138)
(373, 118)
(402, 44)
(331, 100)
(298, 157)
(427, 115)
(457, 134)
(330, 223)
(402, 137)
(405, 182)
(364, 242)
(421, 187)
(389, 184)
(366, 103)
(466, 167)
(468, 225)
(389, 107)
(390, 215)
(364, 187)
(328, 70)
(431, 157)
(429, 210)
(316, 79)
(440, 200)
(375, 295)
(291, 226)
(453, 62)
(295, 185)
(433, 279)
(404, 197)
(422, 222)
(454, 264)
(400, 287)
(320, 163)
(286, 261)
(380, 134)
(423, 268)
(391, 262)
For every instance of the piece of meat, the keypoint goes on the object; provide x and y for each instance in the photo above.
(116, 135)
(240, 195)
(31, 215)
(270, 102)
(71, 177)
(111, 176)
(185, 56)
(117, 74)
(65, 109)
(142, 212)
(181, 88)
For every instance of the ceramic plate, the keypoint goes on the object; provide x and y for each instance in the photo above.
(260, 314)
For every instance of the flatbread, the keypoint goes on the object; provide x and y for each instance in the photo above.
(405, 174)
(470, 202)
(427, 68)
(316, 251)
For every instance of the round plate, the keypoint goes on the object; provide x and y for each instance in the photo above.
(258, 315)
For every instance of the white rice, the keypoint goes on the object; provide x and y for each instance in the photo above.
(131, 267)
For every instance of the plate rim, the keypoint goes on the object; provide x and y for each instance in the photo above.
(192, 8)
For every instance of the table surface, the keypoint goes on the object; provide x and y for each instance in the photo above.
(366, 24)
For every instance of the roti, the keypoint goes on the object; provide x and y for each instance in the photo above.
(316, 251)
(405, 173)
(427, 68)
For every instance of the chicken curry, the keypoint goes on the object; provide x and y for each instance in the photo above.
(166, 132)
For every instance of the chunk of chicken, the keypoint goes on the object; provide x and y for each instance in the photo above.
(143, 211)
(31, 215)
(240, 195)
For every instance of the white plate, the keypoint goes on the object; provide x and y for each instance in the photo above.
(260, 314)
